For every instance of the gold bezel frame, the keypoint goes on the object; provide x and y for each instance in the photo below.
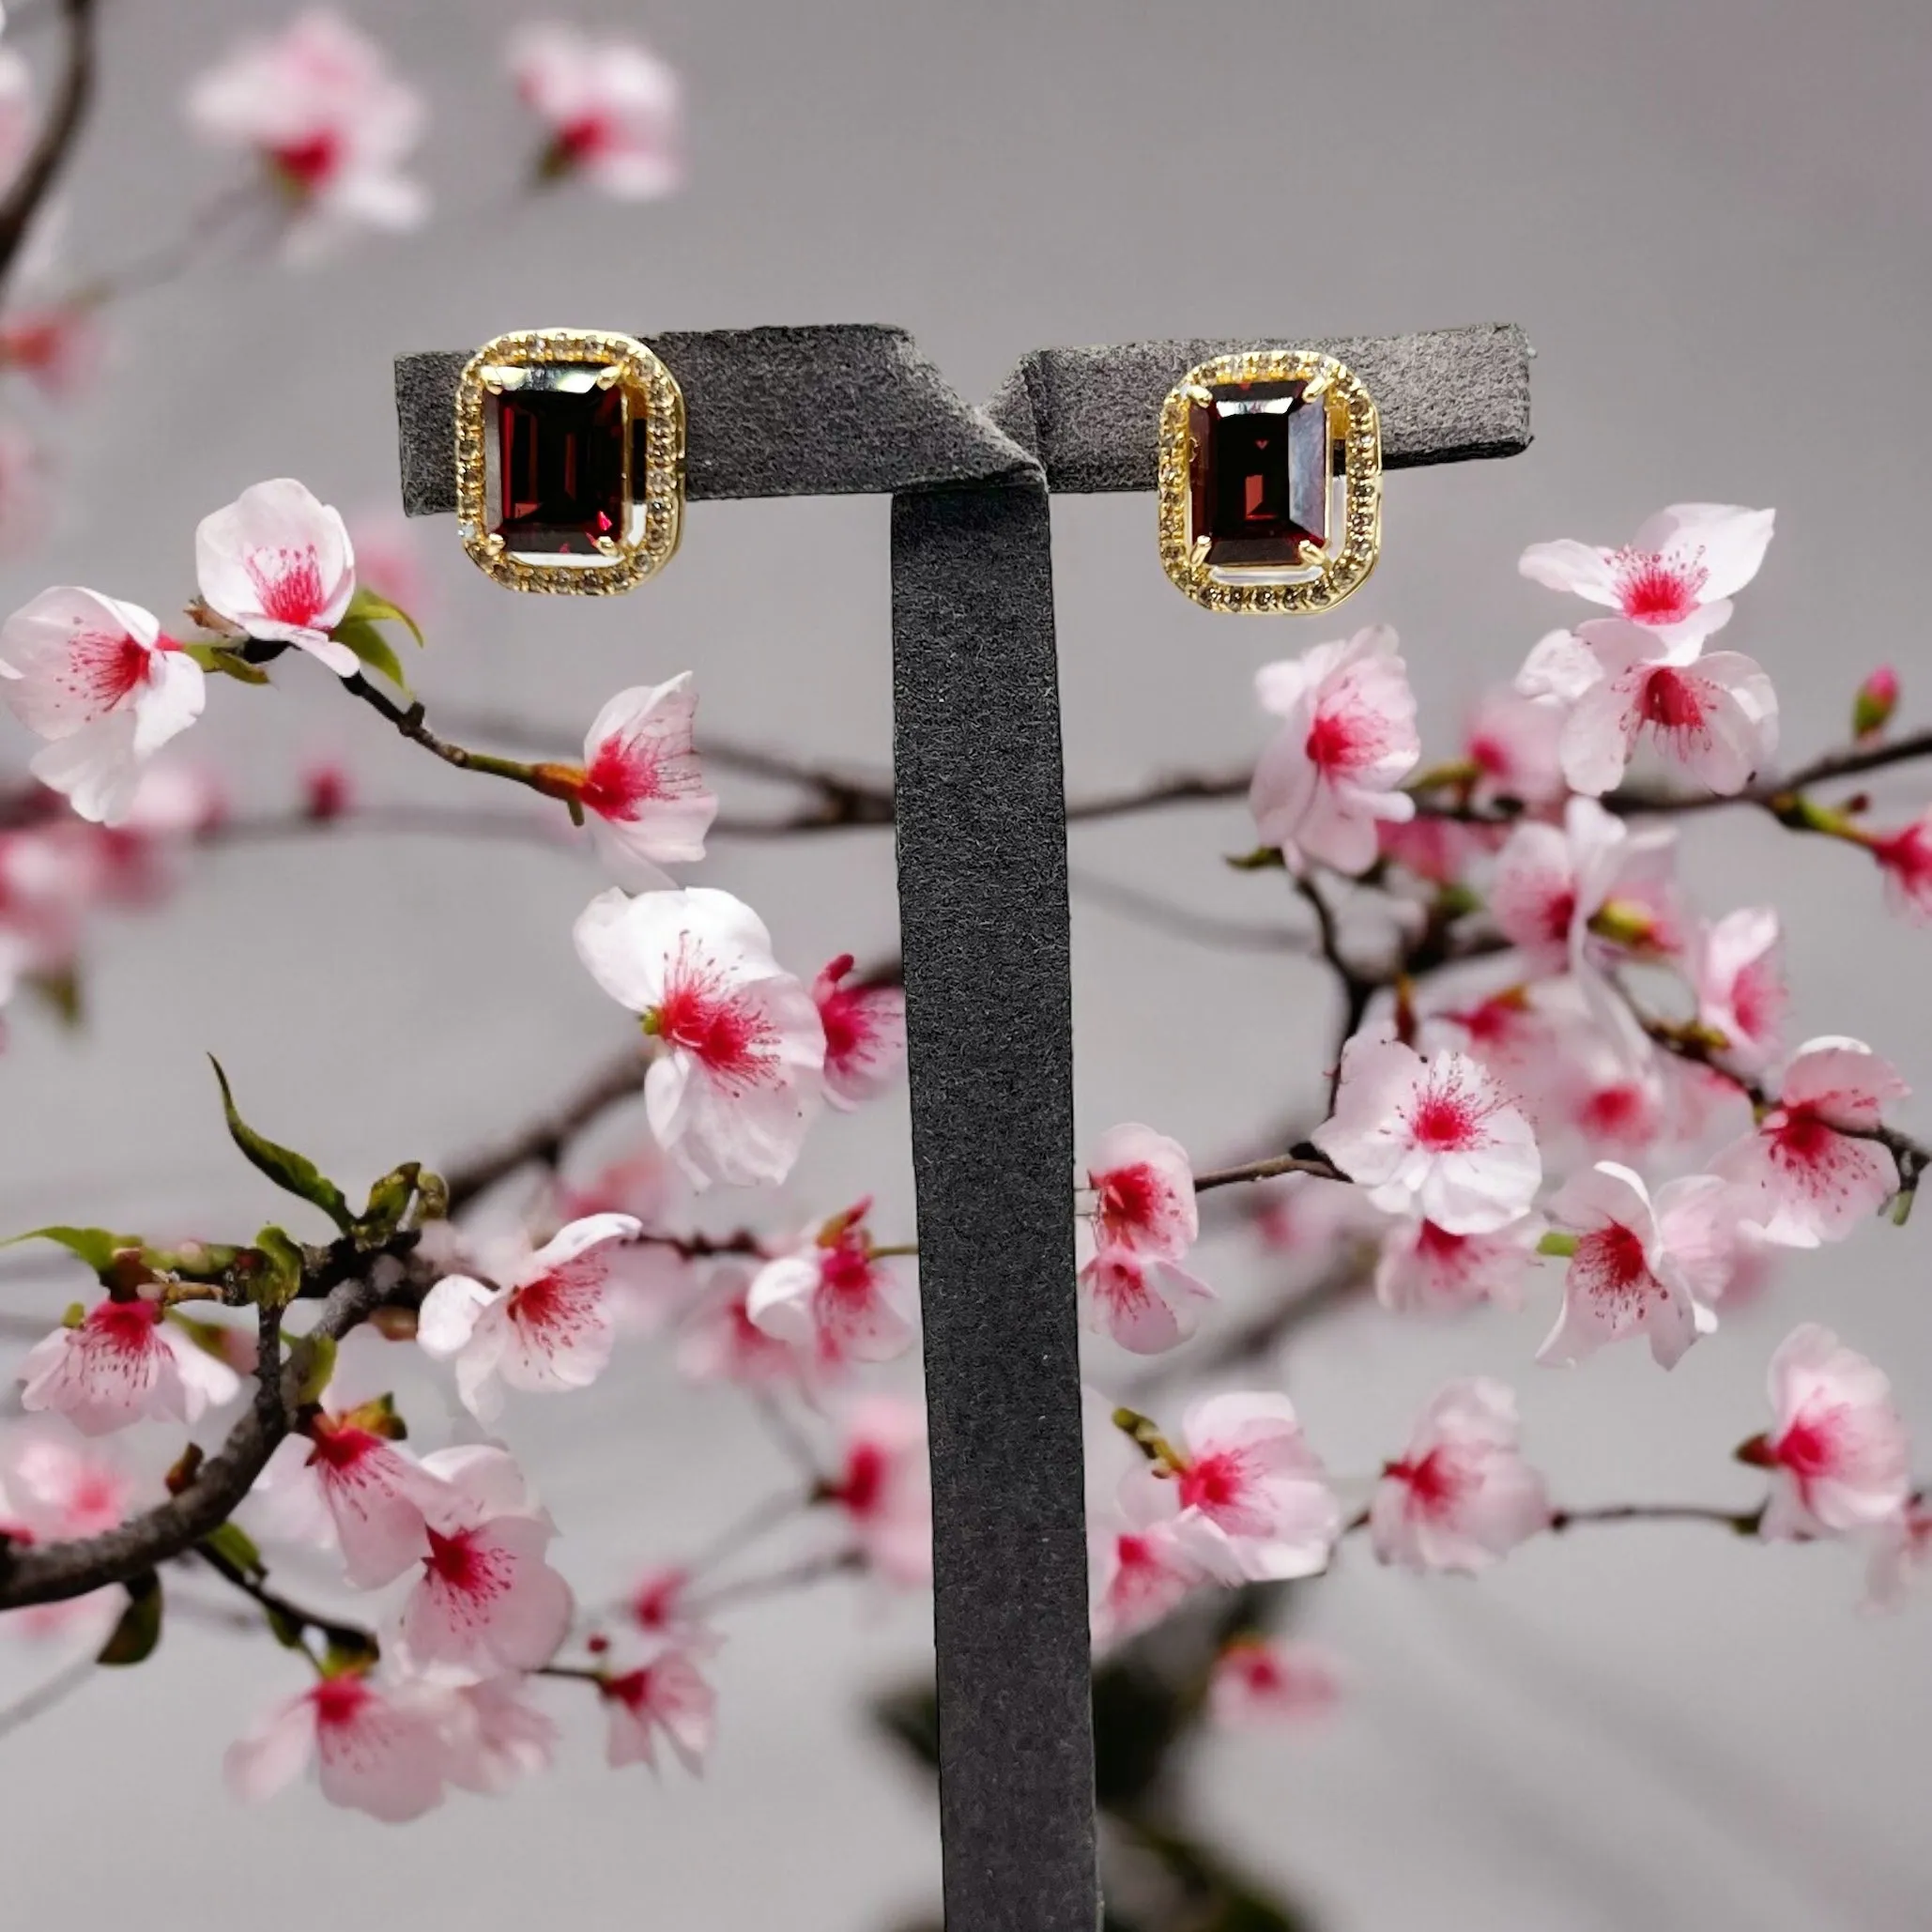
(659, 493)
(1351, 421)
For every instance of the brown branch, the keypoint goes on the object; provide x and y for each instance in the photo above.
(1270, 1170)
(544, 1141)
(57, 1689)
(50, 1572)
(1743, 1522)
(58, 137)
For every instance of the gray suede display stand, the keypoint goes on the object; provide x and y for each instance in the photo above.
(982, 871)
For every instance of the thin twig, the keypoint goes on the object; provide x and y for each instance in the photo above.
(43, 1697)
(1271, 1169)
(57, 138)
(544, 1141)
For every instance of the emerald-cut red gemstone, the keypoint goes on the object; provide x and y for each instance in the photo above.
(561, 468)
(1259, 466)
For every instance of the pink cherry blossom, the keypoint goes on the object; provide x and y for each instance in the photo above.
(544, 1326)
(278, 565)
(1425, 1270)
(319, 107)
(1148, 1305)
(485, 1601)
(1442, 852)
(1140, 1570)
(1837, 1451)
(1511, 741)
(613, 109)
(47, 887)
(642, 787)
(660, 1605)
(1460, 1497)
(100, 683)
(1641, 1266)
(124, 1361)
(1143, 1185)
(1347, 741)
(1439, 1137)
(1901, 1548)
(1248, 1499)
(865, 1034)
(384, 1751)
(59, 346)
(883, 1488)
(344, 1484)
(667, 1696)
(738, 1075)
(1590, 890)
(722, 1343)
(1736, 966)
(1713, 713)
(1905, 859)
(1807, 1174)
(1264, 1683)
(1677, 574)
(54, 1487)
(497, 1736)
(832, 1299)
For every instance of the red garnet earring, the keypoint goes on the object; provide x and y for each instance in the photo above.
(570, 460)
(1270, 481)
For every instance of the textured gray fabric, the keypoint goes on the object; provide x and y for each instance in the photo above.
(841, 410)
(982, 871)
(982, 860)
(1090, 415)
(848, 410)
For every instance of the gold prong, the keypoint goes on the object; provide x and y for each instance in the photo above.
(1199, 394)
(607, 377)
(1317, 384)
(1310, 556)
(1197, 556)
(494, 543)
(606, 546)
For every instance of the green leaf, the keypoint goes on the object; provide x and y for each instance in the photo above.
(372, 648)
(97, 1247)
(219, 657)
(140, 1628)
(235, 1547)
(288, 1629)
(278, 1276)
(389, 1202)
(295, 1173)
(313, 1359)
(366, 606)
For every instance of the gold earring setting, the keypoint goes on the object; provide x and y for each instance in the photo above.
(570, 460)
(1270, 481)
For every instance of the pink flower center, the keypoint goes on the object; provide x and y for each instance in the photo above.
(1609, 1264)
(103, 668)
(1906, 855)
(559, 1307)
(126, 1328)
(288, 583)
(1433, 1244)
(862, 1488)
(586, 135)
(1758, 1001)
(1671, 702)
(1130, 1197)
(1213, 1483)
(1810, 1447)
(1620, 1112)
(655, 1605)
(307, 164)
(467, 1565)
(1449, 1118)
(1435, 1482)
(720, 1028)
(337, 1448)
(1656, 588)
(338, 1702)
(1342, 740)
(1799, 1138)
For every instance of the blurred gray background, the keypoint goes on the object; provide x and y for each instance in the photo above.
(1712, 219)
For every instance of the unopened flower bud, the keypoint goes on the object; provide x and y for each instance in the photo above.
(1877, 699)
